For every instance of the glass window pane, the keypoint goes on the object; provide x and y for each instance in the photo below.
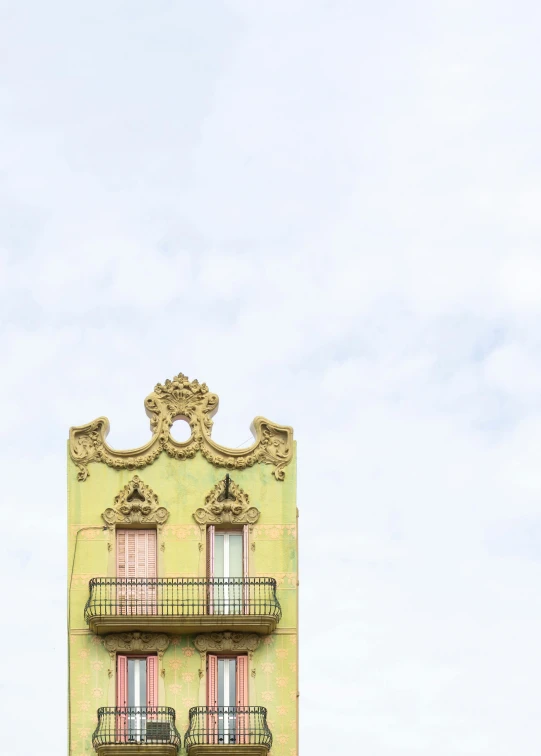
(221, 663)
(232, 682)
(219, 555)
(142, 682)
(131, 687)
(232, 698)
(235, 555)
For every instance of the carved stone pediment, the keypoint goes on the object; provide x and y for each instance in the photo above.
(136, 643)
(136, 504)
(192, 401)
(227, 503)
(227, 642)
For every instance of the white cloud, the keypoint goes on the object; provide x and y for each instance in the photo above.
(328, 212)
(514, 369)
(520, 281)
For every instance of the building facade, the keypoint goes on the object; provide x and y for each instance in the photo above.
(182, 588)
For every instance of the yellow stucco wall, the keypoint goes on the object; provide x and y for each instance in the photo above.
(181, 486)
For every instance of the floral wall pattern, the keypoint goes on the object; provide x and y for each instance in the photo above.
(181, 486)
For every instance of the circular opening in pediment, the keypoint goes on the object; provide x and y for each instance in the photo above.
(180, 430)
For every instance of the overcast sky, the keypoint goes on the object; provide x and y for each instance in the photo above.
(330, 212)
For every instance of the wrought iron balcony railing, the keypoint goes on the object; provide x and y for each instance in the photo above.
(191, 604)
(228, 725)
(133, 725)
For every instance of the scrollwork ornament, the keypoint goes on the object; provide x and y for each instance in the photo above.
(193, 402)
(227, 642)
(232, 507)
(136, 642)
(136, 504)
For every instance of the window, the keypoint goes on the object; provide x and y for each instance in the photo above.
(227, 698)
(228, 562)
(227, 566)
(135, 553)
(136, 563)
(137, 695)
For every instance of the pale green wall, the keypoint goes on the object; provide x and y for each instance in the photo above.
(181, 486)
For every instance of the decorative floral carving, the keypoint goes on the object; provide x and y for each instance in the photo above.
(226, 503)
(136, 503)
(135, 643)
(227, 642)
(192, 401)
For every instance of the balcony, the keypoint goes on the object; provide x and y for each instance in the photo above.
(231, 730)
(182, 605)
(136, 731)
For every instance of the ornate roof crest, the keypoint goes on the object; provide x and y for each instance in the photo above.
(192, 401)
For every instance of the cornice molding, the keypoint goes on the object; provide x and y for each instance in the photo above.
(226, 503)
(192, 401)
(227, 642)
(136, 503)
(134, 643)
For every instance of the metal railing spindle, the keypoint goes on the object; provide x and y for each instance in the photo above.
(182, 597)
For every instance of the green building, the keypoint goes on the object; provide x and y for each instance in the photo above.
(182, 588)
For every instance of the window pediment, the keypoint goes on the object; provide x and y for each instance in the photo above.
(136, 504)
(227, 642)
(227, 503)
